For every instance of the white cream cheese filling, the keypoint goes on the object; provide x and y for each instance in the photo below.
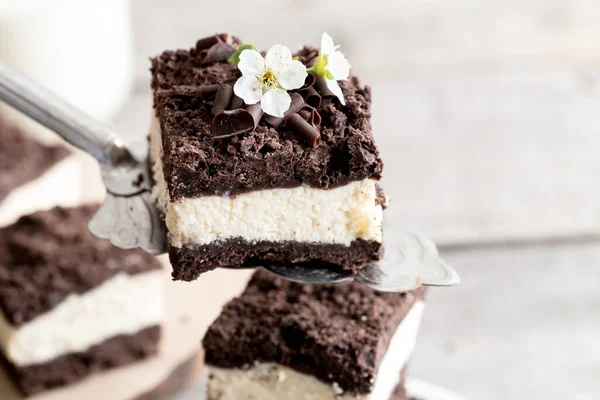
(271, 381)
(123, 305)
(302, 214)
(60, 185)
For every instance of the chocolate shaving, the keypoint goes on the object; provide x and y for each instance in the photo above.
(223, 37)
(236, 102)
(308, 82)
(311, 57)
(230, 123)
(256, 111)
(190, 92)
(312, 97)
(321, 87)
(305, 130)
(220, 52)
(222, 99)
(296, 105)
(311, 116)
(207, 42)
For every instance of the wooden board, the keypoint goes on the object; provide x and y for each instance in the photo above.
(190, 308)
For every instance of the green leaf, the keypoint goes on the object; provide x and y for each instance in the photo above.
(235, 58)
(295, 58)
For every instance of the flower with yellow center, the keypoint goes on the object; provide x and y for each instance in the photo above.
(267, 80)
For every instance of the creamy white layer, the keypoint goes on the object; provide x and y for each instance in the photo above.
(271, 381)
(123, 305)
(60, 185)
(302, 214)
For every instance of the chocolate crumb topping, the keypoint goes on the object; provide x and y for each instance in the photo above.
(337, 333)
(264, 157)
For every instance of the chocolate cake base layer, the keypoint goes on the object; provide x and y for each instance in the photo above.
(189, 262)
(70, 368)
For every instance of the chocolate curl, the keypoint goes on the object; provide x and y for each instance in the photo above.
(311, 116)
(230, 123)
(236, 102)
(308, 82)
(305, 130)
(219, 52)
(312, 97)
(256, 111)
(321, 87)
(296, 105)
(311, 56)
(222, 99)
(207, 42)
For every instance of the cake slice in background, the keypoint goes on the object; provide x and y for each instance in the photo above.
(71, 304)
(286, 341)
(265, 194)
(34, 176)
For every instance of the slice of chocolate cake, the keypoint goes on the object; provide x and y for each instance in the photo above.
(72, 304)
(286, 341)
(33, 176)
(239, 187)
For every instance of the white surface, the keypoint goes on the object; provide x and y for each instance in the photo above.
(60, 185)
(427, 391)
(123, 305)
(81, 50)
(271, 381)
(523, 324)
(302, 214)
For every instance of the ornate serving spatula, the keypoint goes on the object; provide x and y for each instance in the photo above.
(129, 219)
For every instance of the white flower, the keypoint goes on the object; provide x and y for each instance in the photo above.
(268, 79)
(332, 66)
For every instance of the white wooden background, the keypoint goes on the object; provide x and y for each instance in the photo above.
(488, 117)
(485, 111)
(487, 114)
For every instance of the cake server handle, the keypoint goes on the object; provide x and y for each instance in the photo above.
(73, 125)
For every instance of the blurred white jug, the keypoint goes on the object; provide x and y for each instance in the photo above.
(80, 49)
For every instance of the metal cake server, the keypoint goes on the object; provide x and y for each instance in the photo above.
(410, 260)
(129, 218)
